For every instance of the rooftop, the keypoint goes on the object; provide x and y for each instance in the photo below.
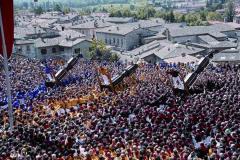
(119, 19)
(171, 50)
(92, 25)
(218, 45)
(71, 34)
(182, 59)
(123, 29)
(208, 39)
(214, 30)
(21, 42)
(28, 30)
(47, 42)
(59, 41)
(226, 57)
(69, 43)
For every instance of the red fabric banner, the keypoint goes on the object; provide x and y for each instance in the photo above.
(8, 25)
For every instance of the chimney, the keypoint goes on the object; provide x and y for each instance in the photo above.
(103, 20)
(167, 34)
(35, 29)
(63, 28)
(157, 21)
(139, 25)
(117, 28)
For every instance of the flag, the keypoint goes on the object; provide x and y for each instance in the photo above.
(8, 25)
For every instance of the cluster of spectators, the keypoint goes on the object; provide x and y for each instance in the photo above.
(144, 121)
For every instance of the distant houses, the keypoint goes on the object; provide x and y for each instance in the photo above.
(89, 28)
(154, 41)
(128, 36)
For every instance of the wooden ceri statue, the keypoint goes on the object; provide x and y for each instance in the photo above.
(104, 78)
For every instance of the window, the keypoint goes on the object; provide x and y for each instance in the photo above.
(54, 50)
(110, 42)
(117, 41)
(61, 49)
(28, 48)
(19, 49)
(121, 42)
(114, 40)
(77, 50)
(44, 51)
(106, 40)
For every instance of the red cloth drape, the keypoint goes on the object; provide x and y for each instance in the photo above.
(8, 25)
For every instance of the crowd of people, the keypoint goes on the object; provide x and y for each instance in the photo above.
(144, 121)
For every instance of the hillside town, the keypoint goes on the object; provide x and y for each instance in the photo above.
(53, 34)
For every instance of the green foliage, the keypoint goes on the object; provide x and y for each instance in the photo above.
(171, 17)
(140, 13)
(179, 17)
(195, 19)
(126, 13)
(214, 16)
(66, 10)
(132, 7)
(58, 7)
(39, 10)
(98, 50)
(114, 57)
(230, 11)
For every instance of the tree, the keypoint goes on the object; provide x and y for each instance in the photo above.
(104, 10)
(141, 13)
(230, 11)
(98, 50)
(118, 13)
(193, 19)
(151, 11)
(183, 19)
(57, 7)
(132, 7)
(126, 13)
(159, 14)
(171, 16)
(114, 57)
(66, 10)
(38, 10)
(214, 16)
(203, 15)
(145, 12)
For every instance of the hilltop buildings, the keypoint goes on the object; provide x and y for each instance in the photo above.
(155, 41)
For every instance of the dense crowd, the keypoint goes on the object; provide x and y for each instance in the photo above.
(144, 121)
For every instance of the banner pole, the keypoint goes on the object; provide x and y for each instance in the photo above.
(9, 98)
